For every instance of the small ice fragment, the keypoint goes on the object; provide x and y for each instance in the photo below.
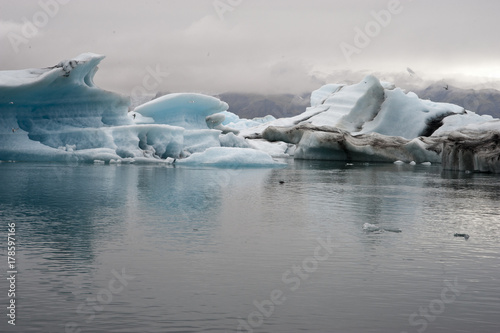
(370, 227)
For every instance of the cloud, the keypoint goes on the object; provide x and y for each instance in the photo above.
(260, 45)
(7, 27)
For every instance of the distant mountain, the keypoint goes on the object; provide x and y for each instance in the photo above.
(250, 105)
(484, 101)
(247, 105)
(256, 105)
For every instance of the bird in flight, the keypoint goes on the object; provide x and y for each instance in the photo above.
(410, 71)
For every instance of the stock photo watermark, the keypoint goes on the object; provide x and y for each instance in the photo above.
(221, 7)
(364, 36)
(150, 82)
(11, 273)
(292, 280)
(94, 305)
(30, 28)
(428, 314)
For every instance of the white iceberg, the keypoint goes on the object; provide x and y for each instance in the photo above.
(376, 122)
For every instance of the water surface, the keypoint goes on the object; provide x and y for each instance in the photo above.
(207, 249)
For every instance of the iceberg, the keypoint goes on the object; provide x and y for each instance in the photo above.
(374, 121)
(58, 114)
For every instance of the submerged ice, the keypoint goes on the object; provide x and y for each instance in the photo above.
(58, 114)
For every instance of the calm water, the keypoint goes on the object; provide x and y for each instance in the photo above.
(139, 248)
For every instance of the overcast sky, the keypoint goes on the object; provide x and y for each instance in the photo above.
(215, 46)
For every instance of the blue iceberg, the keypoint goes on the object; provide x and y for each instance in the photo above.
(58, 114)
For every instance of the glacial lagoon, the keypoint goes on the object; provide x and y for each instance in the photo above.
(153, 248)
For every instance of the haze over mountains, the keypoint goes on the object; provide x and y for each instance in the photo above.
(250, 105)
(483, 101)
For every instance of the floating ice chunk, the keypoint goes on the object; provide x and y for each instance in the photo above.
(230, 157)
(370, 227)
(99, 162)
(413, 163)
(398, 162)
(427, 163)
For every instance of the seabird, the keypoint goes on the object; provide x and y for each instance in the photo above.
(133, 115)
(410, 71)
(446, 88)
(282, 182)
(14, 129)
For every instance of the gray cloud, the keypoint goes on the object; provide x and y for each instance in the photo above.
(258, 45)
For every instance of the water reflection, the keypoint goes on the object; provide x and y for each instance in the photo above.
(204, 243)
(58, 208)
